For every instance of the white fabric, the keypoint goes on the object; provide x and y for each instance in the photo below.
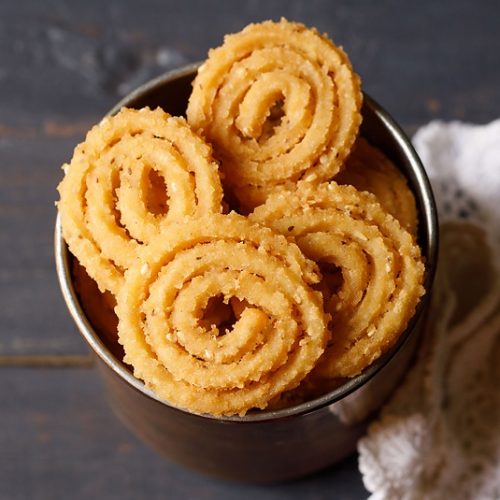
(439, 435)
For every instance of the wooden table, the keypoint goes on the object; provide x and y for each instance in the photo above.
(62, 66)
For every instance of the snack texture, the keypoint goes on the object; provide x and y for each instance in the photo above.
(316, 277)
(368, 169)
(381, 271)
(272, 346)
(279, 102)
(111, 203)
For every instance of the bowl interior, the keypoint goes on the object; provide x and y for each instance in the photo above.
(171, 92)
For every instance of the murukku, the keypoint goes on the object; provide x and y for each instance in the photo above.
(381, 268)
(180, 341)
(134, 174)
(279, 102)
(368, 169)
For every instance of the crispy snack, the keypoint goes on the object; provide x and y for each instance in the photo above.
(279, 102)
(381, 268)
(134, 174)
(180, 342)
(368, 169)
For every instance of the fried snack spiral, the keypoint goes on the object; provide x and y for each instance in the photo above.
(278, 335)
(134, 174)
(368, 169)
(279, 102)
(373, 271)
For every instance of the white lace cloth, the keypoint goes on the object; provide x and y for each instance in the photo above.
(439, 435)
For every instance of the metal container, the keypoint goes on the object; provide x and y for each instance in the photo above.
(265, 446)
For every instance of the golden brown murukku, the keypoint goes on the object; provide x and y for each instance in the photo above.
(134, 174)
(175, 342)
(222, 314)
(381, 268)
(279, 102)
(368, 169)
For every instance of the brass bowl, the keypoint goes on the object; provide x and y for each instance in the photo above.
(264, 446)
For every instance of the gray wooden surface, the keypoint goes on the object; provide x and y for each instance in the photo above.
(64, 64)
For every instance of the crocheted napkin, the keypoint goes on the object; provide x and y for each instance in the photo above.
(439, 435)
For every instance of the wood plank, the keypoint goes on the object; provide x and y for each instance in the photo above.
(48, 361)
(64, 442)
(33, 318)
(420, 60)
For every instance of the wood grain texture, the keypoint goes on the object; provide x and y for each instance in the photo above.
(64, 442)
(62, 66)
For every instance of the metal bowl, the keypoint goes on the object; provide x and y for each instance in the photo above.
(264, 446)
